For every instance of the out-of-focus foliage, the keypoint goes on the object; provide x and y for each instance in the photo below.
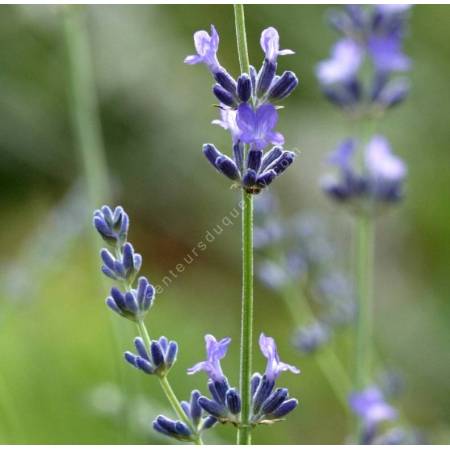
(61, 349)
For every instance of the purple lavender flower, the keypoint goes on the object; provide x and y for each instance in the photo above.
(257, 127)
(248, 114)
(379, 182)
(269, 405)
(207, 47)
(215, 351)
(274, 365)
(270, 43)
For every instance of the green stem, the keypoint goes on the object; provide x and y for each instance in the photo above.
(167, 388)
(173, 400)
(85, 117)
(244, 429)
(241, 38)
(365, 236)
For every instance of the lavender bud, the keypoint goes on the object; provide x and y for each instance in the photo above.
(249, 179)
(265, 76)
(209, 422)
(157, 353)
(238, 152)
(226, 81)
(285, 408)
(212, 407)
(266, 178)
(274, 401)
(284, 86)
(228, 167)
(254, 158)
(212, 154)
(195, 408)
(140, 347)
(256, 379)
(223, 95)
(270, 157)
(233, 401)
(244, 87)
(262, 392)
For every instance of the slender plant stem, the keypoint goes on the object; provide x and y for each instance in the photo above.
(84, 109)
(244, 429)
(166, 387)
(365, 254)
(241, 38)
(365, 236)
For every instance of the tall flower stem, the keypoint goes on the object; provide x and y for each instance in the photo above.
(244, 430)
(84, 109)
(166, 386)
(364, 248)
(365, 236)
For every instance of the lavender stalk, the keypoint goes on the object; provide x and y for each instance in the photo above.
(244, 430)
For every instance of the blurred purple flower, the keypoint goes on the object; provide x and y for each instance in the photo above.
(380, 179)
(207, 47)
(343, 65)
(215, 351)
(257, 126)
(371, 406)
(274, 365)
(381, 163)
(387, 55)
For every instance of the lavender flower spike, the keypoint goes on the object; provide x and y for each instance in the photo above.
(270, 43)
(215, 351)
(257, 126)
(207, 47)
(274, 365)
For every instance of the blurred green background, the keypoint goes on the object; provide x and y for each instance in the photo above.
(62, 377)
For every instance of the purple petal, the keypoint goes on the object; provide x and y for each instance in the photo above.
(346, 58)
(380, 161)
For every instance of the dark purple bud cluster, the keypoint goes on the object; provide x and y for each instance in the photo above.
(134, 303)
(225, 404)
(125, 267)
(374, 33)
(269, 405)
(257, 171)
(247, 113)
(112, 225)
(122, 264)
(181, 431)
(377, 184)
(156, 360)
